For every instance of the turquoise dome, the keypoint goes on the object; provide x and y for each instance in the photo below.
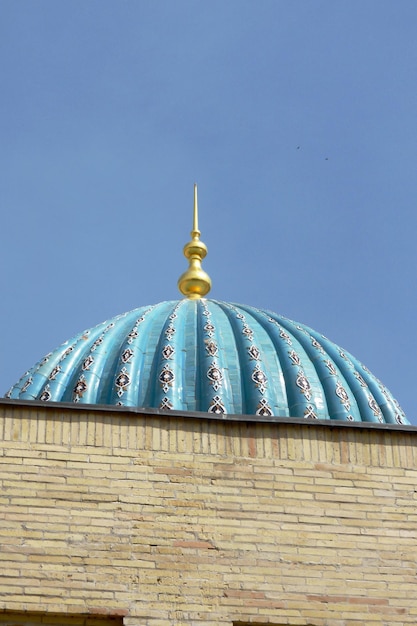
(211, 356)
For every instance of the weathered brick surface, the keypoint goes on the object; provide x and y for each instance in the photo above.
(194, 521)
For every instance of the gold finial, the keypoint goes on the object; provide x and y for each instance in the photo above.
(195, 282)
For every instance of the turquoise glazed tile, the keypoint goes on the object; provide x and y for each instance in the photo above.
(211, 356)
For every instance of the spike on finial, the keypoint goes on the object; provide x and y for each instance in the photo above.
(195, 282)
(195, 220)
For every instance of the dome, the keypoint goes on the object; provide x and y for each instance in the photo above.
(199, 354)
(212, 356)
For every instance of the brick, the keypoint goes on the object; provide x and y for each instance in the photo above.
(198, 522)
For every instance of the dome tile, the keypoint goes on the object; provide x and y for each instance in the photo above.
(211, 356)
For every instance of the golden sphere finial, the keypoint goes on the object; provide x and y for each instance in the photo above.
(195, 282)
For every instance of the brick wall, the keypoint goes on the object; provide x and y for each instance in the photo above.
(170, 520)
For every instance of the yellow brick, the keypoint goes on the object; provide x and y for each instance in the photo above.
(207, 522)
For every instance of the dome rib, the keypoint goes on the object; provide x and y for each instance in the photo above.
(127, 371)
(216, 373)
(334, 390)
(257, 397)
(148, 344)
(162, 378)
(98, 361)
(375, 403)
(294, 362)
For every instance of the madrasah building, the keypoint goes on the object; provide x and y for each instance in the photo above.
(203, 463)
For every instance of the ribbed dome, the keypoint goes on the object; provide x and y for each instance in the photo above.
(206, 355)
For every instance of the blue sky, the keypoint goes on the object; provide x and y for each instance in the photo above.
(297, 120)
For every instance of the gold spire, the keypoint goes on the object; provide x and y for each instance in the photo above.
(195, 282)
